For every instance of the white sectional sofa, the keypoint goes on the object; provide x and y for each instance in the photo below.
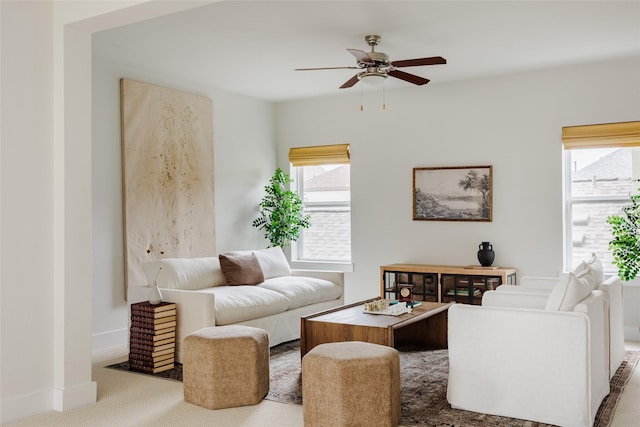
(210, 294)
(543, 350)
(510, 358)
(613, 293)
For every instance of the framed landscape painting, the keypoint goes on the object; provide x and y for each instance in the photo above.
(457, 193)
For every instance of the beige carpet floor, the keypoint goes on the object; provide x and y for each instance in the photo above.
(138, 400)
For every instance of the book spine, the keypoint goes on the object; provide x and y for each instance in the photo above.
(142, 320)
(144, 364)
(149, 358)
(153, 370)
(150, 348)
(153, 337)
(148, 308)
(151, 364)
(151, 330)
(153, 315)
(148, 342)
(151, 353)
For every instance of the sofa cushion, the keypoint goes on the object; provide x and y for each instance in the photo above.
(301, 290)
(272, 261)
(594, 269)
(241, 269)
(185, 273)
(240, 303)
(570, 291)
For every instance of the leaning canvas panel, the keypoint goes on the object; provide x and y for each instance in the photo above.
(167, 158)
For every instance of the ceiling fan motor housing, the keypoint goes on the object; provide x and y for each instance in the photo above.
(377, 64)
(379, 57)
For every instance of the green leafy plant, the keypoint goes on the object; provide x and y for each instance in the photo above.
(281, 213)
(626, 239)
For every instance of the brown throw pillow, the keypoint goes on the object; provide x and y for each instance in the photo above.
(241, 269)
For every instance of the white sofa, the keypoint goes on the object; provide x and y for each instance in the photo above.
(614, 306)
(199, 288)
(516, 356)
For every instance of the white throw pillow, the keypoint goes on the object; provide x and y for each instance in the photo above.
(185, 273)
(272, 261)
(570, 291)
(589, 274)
(594, 270)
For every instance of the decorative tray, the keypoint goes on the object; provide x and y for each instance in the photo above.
(389, 308)
(389, 312)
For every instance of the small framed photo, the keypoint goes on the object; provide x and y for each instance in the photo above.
(457, 193)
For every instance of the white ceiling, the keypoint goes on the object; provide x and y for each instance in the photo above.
(253, 47)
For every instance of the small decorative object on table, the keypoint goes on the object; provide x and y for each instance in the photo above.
(383, 306)
(486, 255)
(406, 294)
(155, 297)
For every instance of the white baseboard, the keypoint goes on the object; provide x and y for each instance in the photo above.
(105, 340)
(631, 333)
(75, 397)
(15, 408)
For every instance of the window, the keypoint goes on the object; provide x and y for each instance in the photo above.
(323, 182)
(602, 163)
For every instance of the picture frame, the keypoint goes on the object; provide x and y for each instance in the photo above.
(454, 193)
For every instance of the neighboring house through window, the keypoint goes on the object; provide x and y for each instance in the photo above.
(601, 168)
(322, 178)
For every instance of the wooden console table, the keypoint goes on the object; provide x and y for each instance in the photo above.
(444, 283)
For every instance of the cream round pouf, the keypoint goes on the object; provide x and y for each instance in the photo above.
(226, 366)
(351, 383)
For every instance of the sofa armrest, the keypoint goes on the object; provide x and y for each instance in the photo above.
(535, 282)
(195, 310)
(614, 297)
(522, 289)
(493, 351)
(515, 299)
(336, 277)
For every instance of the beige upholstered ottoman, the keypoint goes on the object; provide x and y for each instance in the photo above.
(226, 366)
(351, 384)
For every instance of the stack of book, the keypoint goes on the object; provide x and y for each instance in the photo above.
(152, 336)
(464, 292)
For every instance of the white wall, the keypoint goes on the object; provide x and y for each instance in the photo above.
(244, 160)
(26, 310)
(45, 263)
(42, 317)
(510, 122)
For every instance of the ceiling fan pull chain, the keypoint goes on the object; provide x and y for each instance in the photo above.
(361, 103)
(384, 95)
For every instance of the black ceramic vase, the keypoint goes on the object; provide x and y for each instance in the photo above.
(486, 254)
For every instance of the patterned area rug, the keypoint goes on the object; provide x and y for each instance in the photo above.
(423, 387)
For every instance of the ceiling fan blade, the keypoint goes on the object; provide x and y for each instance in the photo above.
(411, 78)
(326, 68)
(361, 55)
(353, 80)
(433, 60)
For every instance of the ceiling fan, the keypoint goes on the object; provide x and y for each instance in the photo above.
(377, 64)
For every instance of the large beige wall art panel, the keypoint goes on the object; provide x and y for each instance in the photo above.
(167, 157)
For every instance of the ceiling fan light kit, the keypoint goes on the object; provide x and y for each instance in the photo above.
(377, 64)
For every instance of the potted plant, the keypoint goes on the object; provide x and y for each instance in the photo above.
(281, 212)
(626, 239)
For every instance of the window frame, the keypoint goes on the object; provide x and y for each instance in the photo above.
(568, 202)
(592, 136)
(297, 261)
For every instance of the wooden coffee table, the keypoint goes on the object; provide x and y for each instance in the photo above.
(425, 326)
